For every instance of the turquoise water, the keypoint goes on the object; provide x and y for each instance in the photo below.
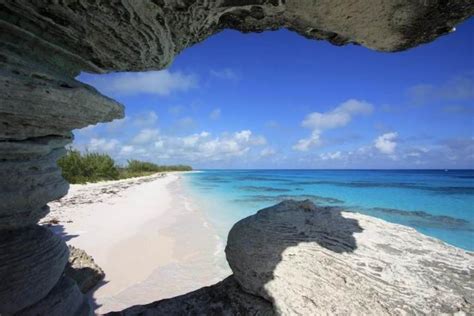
(437, 203)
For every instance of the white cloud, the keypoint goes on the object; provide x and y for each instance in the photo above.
(215, 114)
(102, 144)
(386, 143)
(243, 135)
(338, 117)
(331, 156)
(127, 149)
(161, 82)
(226, 73)
(267, 152)
(89, 130)
(197, 147)
(306, 143)
(146, 135)
(116, 124)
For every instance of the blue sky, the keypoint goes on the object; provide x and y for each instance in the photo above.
(278, 100)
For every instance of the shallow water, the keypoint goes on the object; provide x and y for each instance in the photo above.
(437, 203)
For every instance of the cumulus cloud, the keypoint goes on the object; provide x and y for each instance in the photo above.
(162, 82)
(127, 149)
(306, 143)
(338, 117)
(102, 144)
(215, 114)
(226, 74)
(331, 156)
(386, 143)
(267, 152)
(202, 147)
(146, 135)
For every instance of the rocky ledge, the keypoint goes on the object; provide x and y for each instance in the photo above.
(298, 259)
(82, 269)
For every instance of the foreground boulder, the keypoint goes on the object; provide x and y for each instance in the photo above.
(310, 260)
(223, 298)
(298, 259)
(82, 269)
(44, 45)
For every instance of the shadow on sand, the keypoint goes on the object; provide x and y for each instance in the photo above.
(260, 241)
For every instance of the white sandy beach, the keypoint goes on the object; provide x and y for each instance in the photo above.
(145, 234)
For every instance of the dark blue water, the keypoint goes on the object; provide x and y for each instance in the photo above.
(437, 203)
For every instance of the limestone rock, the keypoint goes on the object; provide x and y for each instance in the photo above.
(143, 35)
(310, 260)
(223, 298)
(64, 299)
(31, 262)
(39, 103)
(82, 269)
(44, 45)
(27, 186)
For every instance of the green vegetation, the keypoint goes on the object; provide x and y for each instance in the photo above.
(80, 167)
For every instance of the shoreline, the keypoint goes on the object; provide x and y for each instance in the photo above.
(145, 233)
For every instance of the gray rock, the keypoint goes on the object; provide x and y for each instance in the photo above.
(143, 35)
(45, 45)
(64, 299)
(310, 260)
(31, 262)
(82, 269)
(223, 298)
(27, 186)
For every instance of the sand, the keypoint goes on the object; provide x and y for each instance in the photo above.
(146, 234)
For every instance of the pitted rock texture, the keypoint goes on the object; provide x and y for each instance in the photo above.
(27, 186)
(142, 35)
(310, 260)
(223, 298)
(31, 262)
(44, 45)
(82, 269)
(38, 102)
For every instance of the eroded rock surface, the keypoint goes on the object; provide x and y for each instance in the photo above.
(298, 259)
(223, 298)
(312, 260)
(82, 269)
(64, 299)
(31, 262)
(44, 45)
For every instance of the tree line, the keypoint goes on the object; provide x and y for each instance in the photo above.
(86, 167)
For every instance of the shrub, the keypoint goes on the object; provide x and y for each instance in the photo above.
(88, 167)
(85, 167)
(143, 166)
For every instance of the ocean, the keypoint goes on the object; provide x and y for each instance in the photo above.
(437, 203)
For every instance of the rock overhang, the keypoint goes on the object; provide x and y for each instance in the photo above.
(45, 45)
